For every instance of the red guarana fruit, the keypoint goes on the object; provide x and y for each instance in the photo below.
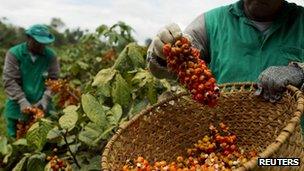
(213, 152)
(184, 60)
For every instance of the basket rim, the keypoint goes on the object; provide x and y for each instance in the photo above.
(240, 86)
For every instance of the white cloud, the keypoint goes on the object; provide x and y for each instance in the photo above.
(145, 16)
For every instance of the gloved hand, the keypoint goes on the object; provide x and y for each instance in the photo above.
(168, 34)
(24, 104)
(43, 102)
(273, 81)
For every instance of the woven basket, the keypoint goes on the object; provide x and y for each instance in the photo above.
(166, 129)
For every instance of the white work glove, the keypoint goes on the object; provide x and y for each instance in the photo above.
(43, 102)
(24, 104)
(168, 34)
(157, 62)
(273, 81)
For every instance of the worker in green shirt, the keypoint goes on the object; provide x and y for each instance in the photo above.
(252, 40)
(26, 67)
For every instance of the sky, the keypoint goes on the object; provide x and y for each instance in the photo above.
(146, 17)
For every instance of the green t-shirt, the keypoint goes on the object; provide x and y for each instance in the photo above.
(240, 52)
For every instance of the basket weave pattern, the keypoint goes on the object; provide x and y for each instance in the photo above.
(165, 130)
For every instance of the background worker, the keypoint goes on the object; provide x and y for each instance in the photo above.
(26, 67)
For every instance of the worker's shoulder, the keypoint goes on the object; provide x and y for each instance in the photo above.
(292, 5)
(219, 10)
(295, 8)
(18, 49)
(50, 52)
(295, 13)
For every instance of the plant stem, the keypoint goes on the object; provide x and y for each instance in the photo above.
(72, 94)
(72, 154)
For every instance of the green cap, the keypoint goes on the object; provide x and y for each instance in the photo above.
(40, 33)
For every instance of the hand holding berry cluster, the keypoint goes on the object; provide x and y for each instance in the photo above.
(185, 61)
(22, 127)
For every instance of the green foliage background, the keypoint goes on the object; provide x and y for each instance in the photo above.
(110, 69)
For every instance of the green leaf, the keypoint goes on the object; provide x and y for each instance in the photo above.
(152, 93)
(33, 127)
(74, 147)
(91, 133)
(133, 71)
(105, 108)
(9, 153)
(37, 134)
(93, 109)
(54, 134)
(101, 29)
(166, 84)
(36, 162)
(21, 165)
(115, 114)
(104, 76)
(110, 119)
(21, 142)
(94, 164)
(104, 90)
(3, 146)
(130, 58)
(112, 37)
(70, 139)
(121, 91)
(138, 106)
(69, 119)
(122, 59)
(74, 69)
(83, 65)
(76, 82)
(106, 134)
(136, 54)
(48, 167)
(142, 77)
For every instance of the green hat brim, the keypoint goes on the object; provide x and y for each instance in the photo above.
(44, 39)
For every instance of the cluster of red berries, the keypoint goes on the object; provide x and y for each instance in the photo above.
(23, 126)
(215, 152)
(68, 95)
(192, 71)
(110, 55)
(56, 163)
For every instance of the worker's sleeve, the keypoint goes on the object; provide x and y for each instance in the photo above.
(53, 73)
(197, 31)
(12, 78)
